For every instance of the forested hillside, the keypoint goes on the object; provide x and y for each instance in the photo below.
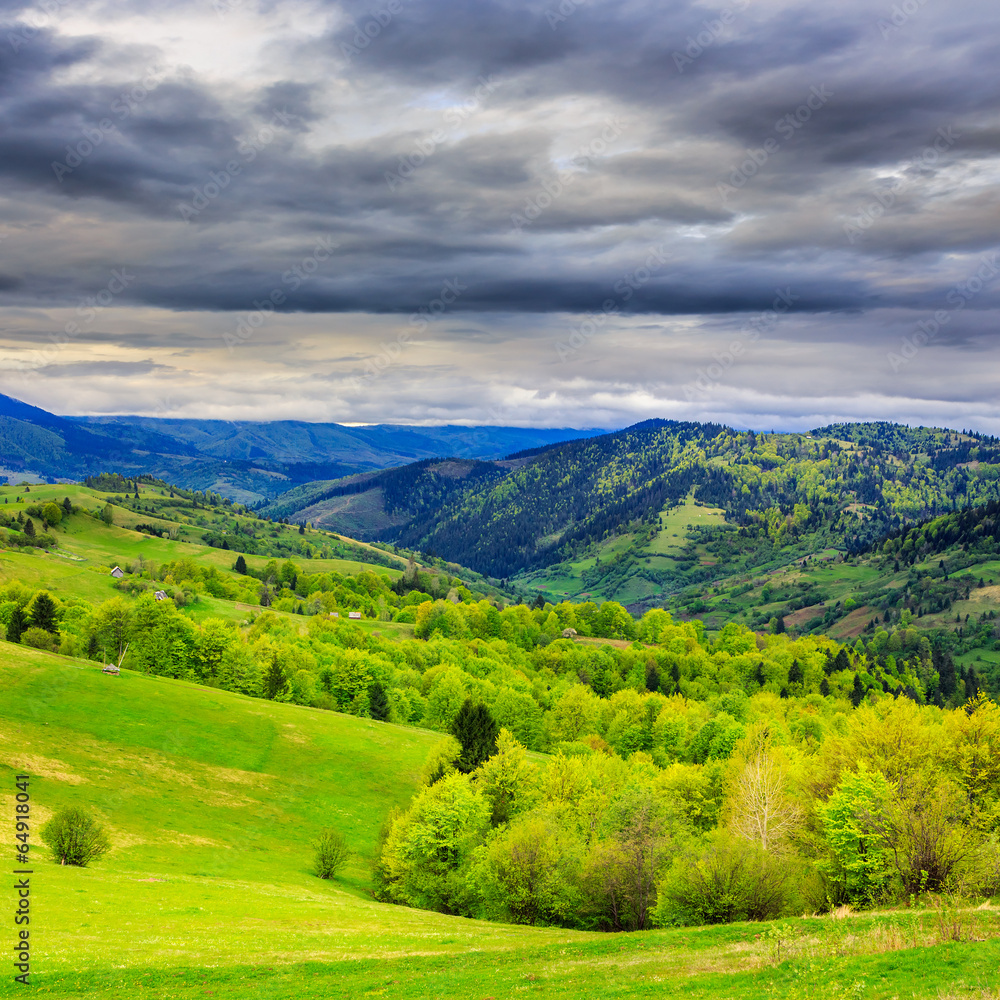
(593, 511)
(694, 774)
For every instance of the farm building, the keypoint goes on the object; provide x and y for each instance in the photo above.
(353, 614)
(118, 572)
(160, 595)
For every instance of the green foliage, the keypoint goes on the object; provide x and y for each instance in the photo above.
(426, 850)
(723, 879)
(476, 731)
(332, 854)
(75, 838)
(378, 702)
(16, 624)
(108, 514)
(43, 613)
(860, 869)
(441, 760)
(528, 874)
(39, 638)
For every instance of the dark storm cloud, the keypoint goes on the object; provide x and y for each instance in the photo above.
(533, 155)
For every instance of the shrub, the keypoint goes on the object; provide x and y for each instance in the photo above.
(332, 853)
(75, 837)
(39, 638)
(726, 880)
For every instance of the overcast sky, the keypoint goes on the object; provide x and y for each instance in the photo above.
(563, 213)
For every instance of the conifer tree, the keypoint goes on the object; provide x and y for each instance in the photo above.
(274, 679)
(16, 625)
(241, 566)
(43, 613)
(476, 730)
(795, 673)
(378, 702)
(857, 692)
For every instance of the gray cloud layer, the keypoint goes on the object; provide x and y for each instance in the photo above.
(677, 169)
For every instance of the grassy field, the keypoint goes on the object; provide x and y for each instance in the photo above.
(87, 550)
(565, 580)
(675, 522)
(213, 801)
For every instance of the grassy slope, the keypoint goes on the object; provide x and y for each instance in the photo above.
(213, 800)
(838, 581)
(564, 580)
(87, 548)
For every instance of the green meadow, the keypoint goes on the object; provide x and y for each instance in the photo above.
(213, 802)
(566, 580)
(86, 551)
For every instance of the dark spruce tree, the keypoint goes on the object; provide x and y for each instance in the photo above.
(43, 613)
(378, 702)
(29, 528)
(971, 685)
(947, 675)
(476, 730)
(795, 673)
(241, 566)
(857, 692)
(274, 679)
(16, 625)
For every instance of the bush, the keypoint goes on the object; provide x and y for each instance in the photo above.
(39, 638)
(75, 837)
(332, 853)
(726, 880)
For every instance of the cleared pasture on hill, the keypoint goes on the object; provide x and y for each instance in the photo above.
(675, 523)
(88, 548)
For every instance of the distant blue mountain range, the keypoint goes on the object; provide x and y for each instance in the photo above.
(246, 460)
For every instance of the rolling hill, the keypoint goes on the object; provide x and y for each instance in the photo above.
(213, 801)
(638, 514)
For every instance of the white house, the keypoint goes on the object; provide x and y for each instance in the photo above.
(160, 595)
(353, 614)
